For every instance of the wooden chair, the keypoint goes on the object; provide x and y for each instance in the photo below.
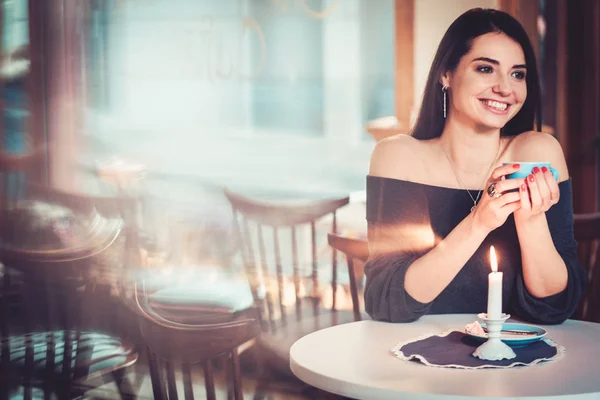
(171, 344)
(355, 250)
(15, 171)
(127, 245)
(286, 313)
(69, 352)
(587, 234)
(201, 300)
(201, 285)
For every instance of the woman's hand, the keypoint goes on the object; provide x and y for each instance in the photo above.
(492, 212)
(538, 192)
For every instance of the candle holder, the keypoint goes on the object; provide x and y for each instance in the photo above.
(494, 348)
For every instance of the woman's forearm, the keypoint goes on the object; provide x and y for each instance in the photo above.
(544, 271)
(429, 275)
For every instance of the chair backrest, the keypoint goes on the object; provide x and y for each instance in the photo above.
(292, 230)
(172, 344)
(113, 206)
(106, 264)
(354, 249)
(587, 235)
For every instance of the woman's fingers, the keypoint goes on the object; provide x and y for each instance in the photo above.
(511, 207)
(543, 188)
(552, 185)
(508, 198)
(503, 170)
(534, 193)
(507, 184)
(524, 195)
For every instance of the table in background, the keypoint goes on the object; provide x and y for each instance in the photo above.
(355, 360)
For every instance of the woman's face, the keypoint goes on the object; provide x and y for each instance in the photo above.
(488, 87)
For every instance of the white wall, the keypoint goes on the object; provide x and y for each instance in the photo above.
(432, 19)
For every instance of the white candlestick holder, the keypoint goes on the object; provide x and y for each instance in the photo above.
(494, 348)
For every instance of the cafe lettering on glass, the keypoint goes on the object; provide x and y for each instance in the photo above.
(494, 308)
(211, 53)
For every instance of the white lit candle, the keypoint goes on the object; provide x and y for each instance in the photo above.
(494, 309)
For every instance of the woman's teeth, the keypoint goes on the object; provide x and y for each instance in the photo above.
(495, 104)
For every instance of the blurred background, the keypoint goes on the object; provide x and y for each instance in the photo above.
(173, 116)
(265, 96)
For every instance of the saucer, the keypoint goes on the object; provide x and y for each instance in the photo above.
(531, 334)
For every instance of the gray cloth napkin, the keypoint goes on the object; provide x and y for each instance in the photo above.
(455, 350)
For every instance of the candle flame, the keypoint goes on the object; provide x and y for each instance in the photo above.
(493, 260)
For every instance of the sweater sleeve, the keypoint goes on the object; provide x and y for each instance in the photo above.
(556, 308)
(385, 297)
(399, 233)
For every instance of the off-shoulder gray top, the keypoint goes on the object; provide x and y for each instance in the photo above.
(414, 217)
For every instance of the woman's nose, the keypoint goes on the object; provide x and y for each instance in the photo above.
(502, 87)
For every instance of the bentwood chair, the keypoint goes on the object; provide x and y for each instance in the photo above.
(587, 235)
(357, 253)
(171, 345)
(75, 345)
(294, 289)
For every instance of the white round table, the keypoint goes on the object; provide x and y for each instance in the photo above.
(355, 360)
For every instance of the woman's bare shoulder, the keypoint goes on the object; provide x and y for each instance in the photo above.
(396, 157)
(539, 146)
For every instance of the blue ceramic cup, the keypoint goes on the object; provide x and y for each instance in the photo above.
(527, 168)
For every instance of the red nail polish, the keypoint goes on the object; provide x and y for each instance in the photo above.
(544, 169)
(523, 188)
(536, 170)
(516, 165)
(531, 178)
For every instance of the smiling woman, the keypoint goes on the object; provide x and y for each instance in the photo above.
(498, 83)
(475, 125)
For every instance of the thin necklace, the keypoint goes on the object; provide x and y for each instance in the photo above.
(475, 200)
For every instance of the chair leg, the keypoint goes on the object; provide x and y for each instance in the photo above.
(171, 381)
(209, 382)
(126, 389)
(27, 391)
(4, 370)
(237, 379)
(264, 372)
(188, 387)
(49, 378)
(261, 386)
(227, 375)
(140, 375)
(158, 389)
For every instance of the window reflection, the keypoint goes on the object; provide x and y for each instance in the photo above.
(14, 70)
(239, 90)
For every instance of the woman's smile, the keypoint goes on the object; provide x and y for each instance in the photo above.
(497, 107)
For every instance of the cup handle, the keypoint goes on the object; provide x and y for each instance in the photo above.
(554, 172)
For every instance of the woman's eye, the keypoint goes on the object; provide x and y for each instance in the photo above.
(520, 75)
(486, 69)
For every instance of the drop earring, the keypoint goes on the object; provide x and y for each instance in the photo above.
(444, 91)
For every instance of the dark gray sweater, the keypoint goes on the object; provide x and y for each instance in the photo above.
(414, 217)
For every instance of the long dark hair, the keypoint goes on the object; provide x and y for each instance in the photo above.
(457, 42)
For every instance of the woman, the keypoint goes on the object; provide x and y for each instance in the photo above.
(439, 198)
